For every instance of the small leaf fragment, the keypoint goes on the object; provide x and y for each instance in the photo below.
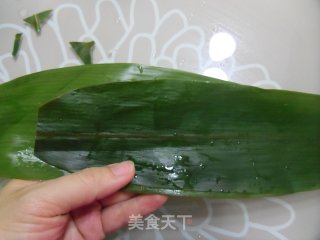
(37, 20)
(83, 50)
(140, 68)
(17, 44)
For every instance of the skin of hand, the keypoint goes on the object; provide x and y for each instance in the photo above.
(83, 205)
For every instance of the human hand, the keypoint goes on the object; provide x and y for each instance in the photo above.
(84, 205)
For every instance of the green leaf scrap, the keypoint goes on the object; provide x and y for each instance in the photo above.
(17, 44)
(37, 20)
(83, 50)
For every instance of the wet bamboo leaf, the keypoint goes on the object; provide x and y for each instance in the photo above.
(17, 44)
(83, 50)
(36, 21)
(188, 134)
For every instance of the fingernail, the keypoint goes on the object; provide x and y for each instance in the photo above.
(123, 168)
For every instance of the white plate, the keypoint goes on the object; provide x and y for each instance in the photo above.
(270, 44)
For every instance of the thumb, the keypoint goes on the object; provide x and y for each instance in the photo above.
(67, 193)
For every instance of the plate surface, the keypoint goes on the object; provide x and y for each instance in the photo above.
(266, 44)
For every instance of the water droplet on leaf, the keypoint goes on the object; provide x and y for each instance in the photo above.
(169, 167)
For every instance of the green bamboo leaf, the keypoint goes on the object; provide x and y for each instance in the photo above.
(188, 137)
(36, 21)
(17, 44)
(83, 50)
(188, 134)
